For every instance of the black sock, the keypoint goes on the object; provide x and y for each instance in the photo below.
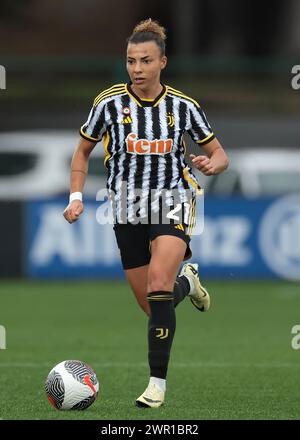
(161, 329)
(181, 289)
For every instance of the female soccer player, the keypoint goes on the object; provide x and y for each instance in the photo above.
(152, 189)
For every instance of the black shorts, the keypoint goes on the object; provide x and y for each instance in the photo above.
(134, 240)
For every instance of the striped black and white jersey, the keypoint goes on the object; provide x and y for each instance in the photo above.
(143, 139)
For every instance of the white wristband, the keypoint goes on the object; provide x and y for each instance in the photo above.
(75, 196)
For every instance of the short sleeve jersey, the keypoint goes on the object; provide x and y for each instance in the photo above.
(143, 139)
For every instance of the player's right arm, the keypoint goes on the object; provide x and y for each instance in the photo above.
(79, 169)
(91, 132)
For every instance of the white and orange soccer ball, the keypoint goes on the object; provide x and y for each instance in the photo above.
(72, 385)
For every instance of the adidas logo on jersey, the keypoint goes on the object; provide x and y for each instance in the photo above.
(143, 146)
(127, 120)
(179, 227)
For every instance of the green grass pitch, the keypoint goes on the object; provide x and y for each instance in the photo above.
(233, 362)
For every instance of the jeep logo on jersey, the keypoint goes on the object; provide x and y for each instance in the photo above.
(143, 146)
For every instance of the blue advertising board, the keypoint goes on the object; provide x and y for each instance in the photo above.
(242, 238)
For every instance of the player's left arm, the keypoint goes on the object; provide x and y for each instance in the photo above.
(216, 160)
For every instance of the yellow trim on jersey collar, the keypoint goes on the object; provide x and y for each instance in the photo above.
(162, 97)
(132, 97)
(147, 100)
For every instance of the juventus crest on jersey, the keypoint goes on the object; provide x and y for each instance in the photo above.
(143, 139)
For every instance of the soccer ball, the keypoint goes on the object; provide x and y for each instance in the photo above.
(72, 385)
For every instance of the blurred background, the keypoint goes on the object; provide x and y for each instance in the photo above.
(235, 58)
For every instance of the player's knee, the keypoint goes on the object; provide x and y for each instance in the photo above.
(158, 281)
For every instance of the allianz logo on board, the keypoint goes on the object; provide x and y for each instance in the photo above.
(279, 237)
